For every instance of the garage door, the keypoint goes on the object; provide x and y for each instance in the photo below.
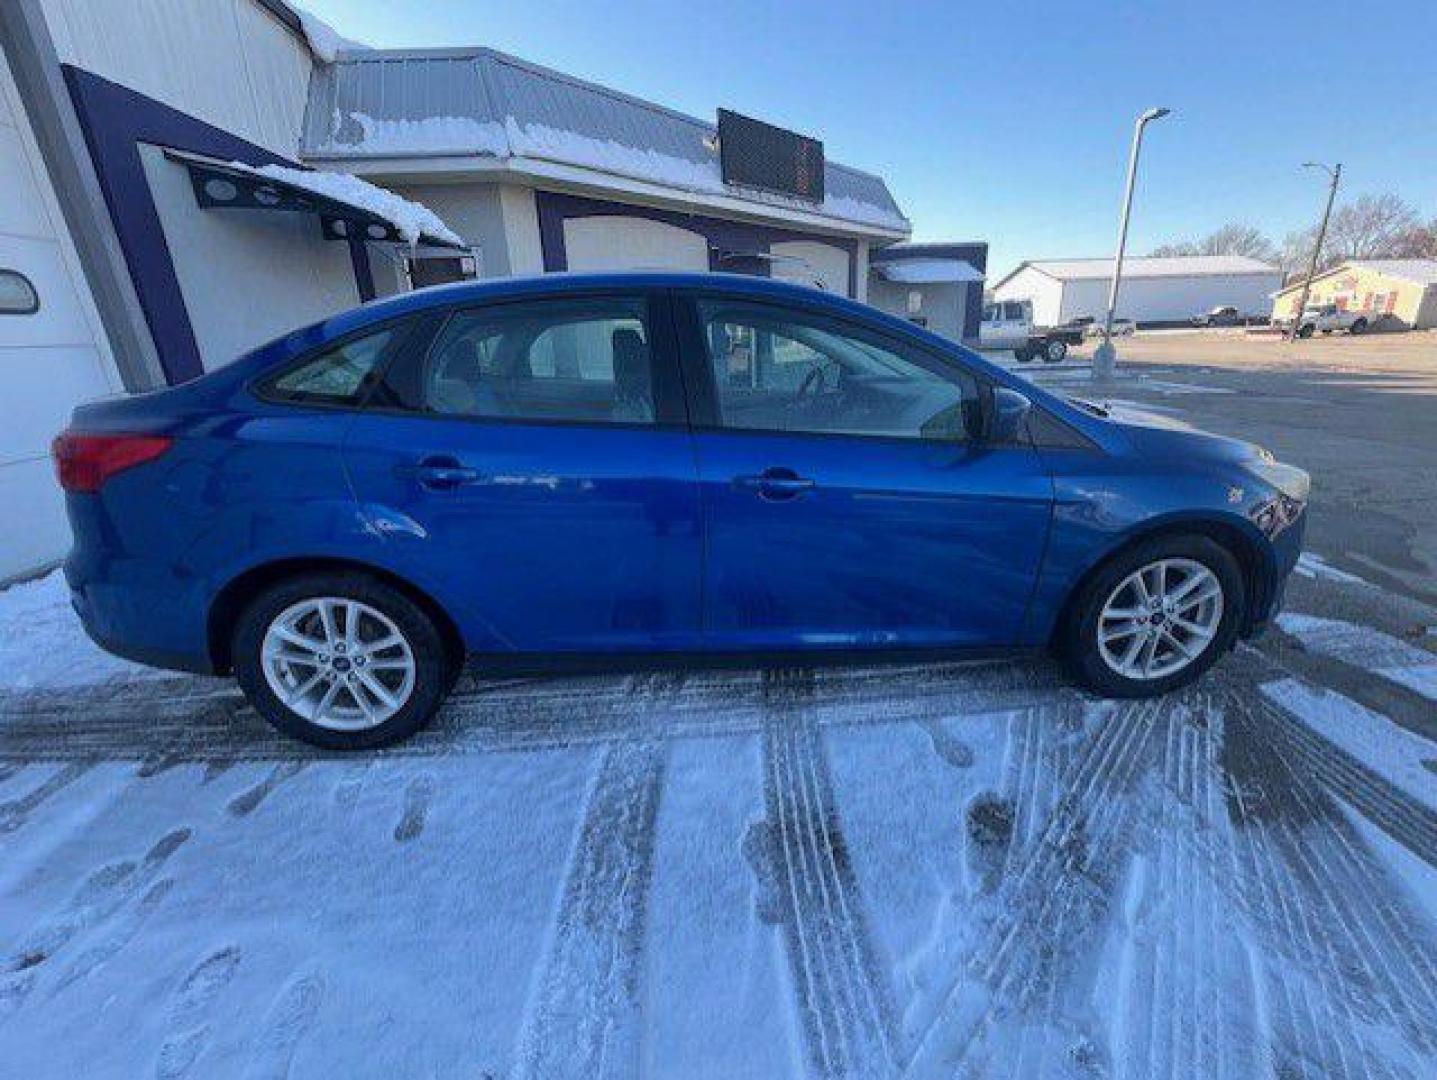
(51, 356)
(807, 262)
(632, 243)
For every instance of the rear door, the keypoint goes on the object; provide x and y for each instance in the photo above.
(846, 500)
(536, 464)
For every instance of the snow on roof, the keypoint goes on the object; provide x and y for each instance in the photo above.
(411, 219)
(440, 102)
(324, 40)
(1140, 266)
(1136, 266)
(1421, 271)
(921, 271)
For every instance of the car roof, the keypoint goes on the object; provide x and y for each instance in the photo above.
(562, 284)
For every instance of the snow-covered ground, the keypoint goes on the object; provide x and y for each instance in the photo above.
(923, 871)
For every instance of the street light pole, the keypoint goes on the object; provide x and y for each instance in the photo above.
(1336, 174)
(1105, 357)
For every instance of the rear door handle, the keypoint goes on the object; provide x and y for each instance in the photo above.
(439, 473)
(776, 484)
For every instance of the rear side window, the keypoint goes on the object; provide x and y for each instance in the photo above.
(578, 361)
(341, 375)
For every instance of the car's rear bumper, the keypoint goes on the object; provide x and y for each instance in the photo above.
(150, 624)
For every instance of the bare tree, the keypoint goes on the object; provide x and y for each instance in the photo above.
(1418, 242)
(1239, 239)
(1168, 251)
(1371, 227)
(1232, 239)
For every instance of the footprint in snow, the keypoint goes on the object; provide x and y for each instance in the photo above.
(190, 1013)
(990, 820)
(417, 797)
(288, 1020)
(100, 954)
(247, 802)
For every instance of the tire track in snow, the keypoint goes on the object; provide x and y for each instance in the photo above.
(1186, 1006)
(1410, 822)
(844, 1004)
(1048, 914)
(191, 1011)
(585, 1014)
(1347, 969)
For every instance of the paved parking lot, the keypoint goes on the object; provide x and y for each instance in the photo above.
(869, 872)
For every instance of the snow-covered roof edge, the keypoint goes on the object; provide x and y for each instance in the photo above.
(411, 220)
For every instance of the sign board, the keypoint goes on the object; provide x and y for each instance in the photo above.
(757, 155)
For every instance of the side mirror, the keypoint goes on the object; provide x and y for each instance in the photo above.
(1009, 410)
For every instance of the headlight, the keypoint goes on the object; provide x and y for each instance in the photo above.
(1274, 515)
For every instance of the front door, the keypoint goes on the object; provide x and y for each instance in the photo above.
(846, 500)
(535, 461)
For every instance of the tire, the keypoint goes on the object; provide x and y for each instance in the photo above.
(1022, 355)
(1360, 326)
(1054, 350)
(1305, 332)
(1078, 638)
(417, 674)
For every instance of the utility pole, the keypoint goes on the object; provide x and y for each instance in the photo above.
(1336, 174)
(1105, 356)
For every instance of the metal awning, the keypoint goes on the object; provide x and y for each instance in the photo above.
(230, 186)
(921, 270)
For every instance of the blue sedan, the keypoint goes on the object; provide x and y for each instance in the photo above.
(620, 467)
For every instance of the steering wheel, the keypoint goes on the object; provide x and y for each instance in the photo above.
(817, 376)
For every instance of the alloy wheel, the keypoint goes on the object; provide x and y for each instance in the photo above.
(338, 663)
(1160, 619)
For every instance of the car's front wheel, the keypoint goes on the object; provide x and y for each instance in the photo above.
(341, 660)
(1155, 617)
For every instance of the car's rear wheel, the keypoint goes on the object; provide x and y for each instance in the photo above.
(341, 660)
(1054, 351)
(1359, 326)
(1155, 617)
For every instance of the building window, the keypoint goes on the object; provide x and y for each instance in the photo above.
(17, 295)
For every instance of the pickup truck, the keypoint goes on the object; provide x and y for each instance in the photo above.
(1007, 326)
(1329, 317)
(1227, 315)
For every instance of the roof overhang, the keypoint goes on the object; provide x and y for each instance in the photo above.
(927, 271)
(557, 176)
(232, 186)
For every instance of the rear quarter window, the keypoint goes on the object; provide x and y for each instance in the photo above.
(344, 373)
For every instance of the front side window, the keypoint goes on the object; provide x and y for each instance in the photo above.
(583, 361)
(777, 370)
(17, 294)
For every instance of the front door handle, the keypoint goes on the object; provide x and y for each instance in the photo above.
(439, 473)
(776, 484)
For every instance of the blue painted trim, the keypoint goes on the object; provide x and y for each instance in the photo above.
(115, 120)
(722, 235)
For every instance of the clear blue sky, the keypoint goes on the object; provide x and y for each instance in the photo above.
(1009, 122)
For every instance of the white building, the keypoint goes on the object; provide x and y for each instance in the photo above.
(1153, 290)
(160, 214)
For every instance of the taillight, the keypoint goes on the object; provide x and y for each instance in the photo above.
(84, 462)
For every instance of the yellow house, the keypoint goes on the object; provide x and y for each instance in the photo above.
(1403, 290)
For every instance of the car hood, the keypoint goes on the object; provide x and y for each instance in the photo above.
(1161, 435)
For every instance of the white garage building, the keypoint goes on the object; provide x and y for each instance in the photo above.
(1154, 291)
